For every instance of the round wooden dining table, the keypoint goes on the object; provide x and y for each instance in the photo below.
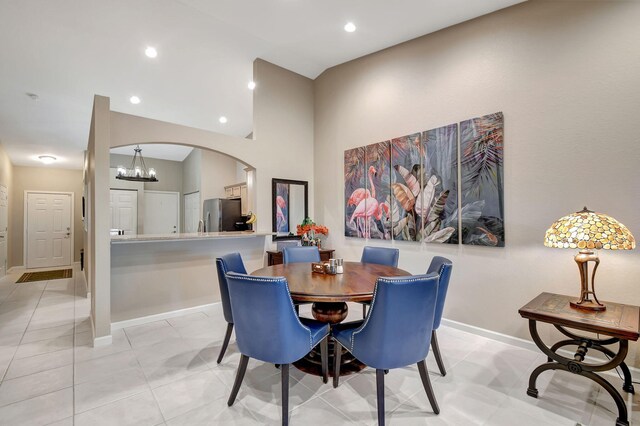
(329, 294)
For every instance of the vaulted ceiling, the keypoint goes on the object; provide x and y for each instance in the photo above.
(65, 51)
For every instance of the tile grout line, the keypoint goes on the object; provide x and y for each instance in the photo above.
(23, 333)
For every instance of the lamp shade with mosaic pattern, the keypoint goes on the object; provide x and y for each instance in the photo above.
(588, 231)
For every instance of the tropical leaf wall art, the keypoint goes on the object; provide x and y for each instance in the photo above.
(408, 189)
(482, 212)
(406, 186)
(439, 198)
(377, 213)
(354, 188)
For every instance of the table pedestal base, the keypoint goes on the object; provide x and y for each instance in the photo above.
(333, 313)
(576, 365)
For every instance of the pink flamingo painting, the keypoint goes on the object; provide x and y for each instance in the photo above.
(367, 206)
(281, 221)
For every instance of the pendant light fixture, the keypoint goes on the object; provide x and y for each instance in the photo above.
(137, 172)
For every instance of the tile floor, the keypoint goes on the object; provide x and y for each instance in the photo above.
(164, 373)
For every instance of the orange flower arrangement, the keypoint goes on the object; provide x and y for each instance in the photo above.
(308, 226)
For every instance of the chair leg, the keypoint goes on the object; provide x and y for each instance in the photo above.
(424, 375)
(297, 307)
(227, 337)
(337, 354)
(364, 310)
(242, 368)
(324, 355)
(284, 369)
(380, 392)
(436, 353)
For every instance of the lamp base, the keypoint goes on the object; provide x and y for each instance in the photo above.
(587, 305)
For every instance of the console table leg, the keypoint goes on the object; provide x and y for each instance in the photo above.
(532, 390)
(622, 407)
(628, 382)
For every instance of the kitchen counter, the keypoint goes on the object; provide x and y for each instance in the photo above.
(118, 239)
(158, 276)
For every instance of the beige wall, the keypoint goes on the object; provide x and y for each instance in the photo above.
(6, 179)
(191, 174)
(283, 128)
(43, 179)
(566, 77)
(218, 171)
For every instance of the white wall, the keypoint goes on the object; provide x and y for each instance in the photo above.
(565, 74)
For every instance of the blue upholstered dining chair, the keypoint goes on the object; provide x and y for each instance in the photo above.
(396, 332)
(381, 256)
(268, 329)
(443, 267)
(228, 263)
(299, 254)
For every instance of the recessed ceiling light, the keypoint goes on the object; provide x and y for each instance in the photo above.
(47, 159)
(350, 27)
(151, 52)
(251, 85)
(222, 119)
(134, 100)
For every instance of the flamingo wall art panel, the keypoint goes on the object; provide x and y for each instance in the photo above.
(482, 212)
(437, 205)
(354, 190)
(282, 206)
(406, 186)
(377, 215)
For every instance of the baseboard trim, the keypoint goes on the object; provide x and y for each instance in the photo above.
(102, 341)
(157, 317)
(16, 269)
(516, 341)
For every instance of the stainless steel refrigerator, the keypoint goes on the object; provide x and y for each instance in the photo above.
(220, 214)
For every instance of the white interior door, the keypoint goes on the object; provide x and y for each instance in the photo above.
(191, 212)
(124, 210)
(161, 212)
(48, 229)
(4, 216)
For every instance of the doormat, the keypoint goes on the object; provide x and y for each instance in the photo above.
(45, 275)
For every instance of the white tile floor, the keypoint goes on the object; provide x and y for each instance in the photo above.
(165, 373)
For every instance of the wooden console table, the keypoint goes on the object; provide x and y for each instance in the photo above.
(620, 322)
(275, 257)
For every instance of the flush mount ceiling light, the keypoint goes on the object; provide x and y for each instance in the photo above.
(251, 85)
(134, 100)
(47, 159)
(137, 171)
(33, 96)
(222, 119)
(151, 52)
(350, 27)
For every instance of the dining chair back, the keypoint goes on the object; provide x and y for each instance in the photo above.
(395, 333)
(268, 329)
(443, 267)
(300, 254)
(231, 262)
(380, 255)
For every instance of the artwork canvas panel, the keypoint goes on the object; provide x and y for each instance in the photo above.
(437, 205)
(482, 185)
(282, 206)
(377, 215)
(354, 189)
(406, 186)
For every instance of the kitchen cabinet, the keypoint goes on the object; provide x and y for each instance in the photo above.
(239, 190)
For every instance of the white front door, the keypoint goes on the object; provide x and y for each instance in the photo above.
(161, 212)
(4, 216)
(191, 212)
(48, 228)
(124, 210)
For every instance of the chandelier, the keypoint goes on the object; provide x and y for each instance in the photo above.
(137, 171)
